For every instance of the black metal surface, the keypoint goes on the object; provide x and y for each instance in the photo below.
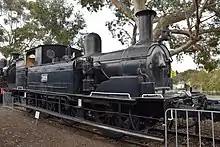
(145, 60)
(43, 53)
(3, 63)
(127, 84)
(81, 96)
(145, 25)
(93, 44)
(11, 75)
(21, 74)
(60, 77)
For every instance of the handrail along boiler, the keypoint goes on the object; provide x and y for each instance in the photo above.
(121, 89)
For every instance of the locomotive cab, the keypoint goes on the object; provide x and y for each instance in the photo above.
(30, 58)
(53, 68)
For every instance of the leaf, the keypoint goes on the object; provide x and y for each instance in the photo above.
(48, 22)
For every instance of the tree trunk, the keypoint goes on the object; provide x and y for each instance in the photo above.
(139, 5)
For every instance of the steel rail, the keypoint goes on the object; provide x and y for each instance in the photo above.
(83, 128)
(80, 120)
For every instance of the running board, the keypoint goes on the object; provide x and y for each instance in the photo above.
(92, 124)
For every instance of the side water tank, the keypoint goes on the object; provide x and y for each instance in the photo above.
(93, 44)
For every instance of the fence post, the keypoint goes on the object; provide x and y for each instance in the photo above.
(7, 99)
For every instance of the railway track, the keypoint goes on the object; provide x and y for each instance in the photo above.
(95, 131)
(127, 140)
(193, 138)
(182, 134)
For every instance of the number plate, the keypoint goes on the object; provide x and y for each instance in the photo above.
(37, 114)
(44, 77)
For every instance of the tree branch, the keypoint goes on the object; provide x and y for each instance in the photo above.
(127, 11)
(203, 8)
(181, 32)
(202, 31)
(211, 7)
(185, 46)
(209, 30)
(197, 18)
(126, 32)
(189, 43)
(207, 18)
(172, 18)
(216, 11)
(124, 9)
(139, 5)
(188, 22)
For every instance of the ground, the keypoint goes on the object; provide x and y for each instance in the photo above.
(19, 130)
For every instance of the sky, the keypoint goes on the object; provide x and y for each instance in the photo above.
(96, 23)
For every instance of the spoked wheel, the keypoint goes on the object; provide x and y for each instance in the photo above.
(51, 106)
(150, 124)
(135, 121)
(43, 104)
(112, 120)
(70, 112)
(68, 109)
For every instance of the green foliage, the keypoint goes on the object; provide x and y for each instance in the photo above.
(27, 24)
(117, 28)
(93, 5)
(117, 25)
(57, 22)
(209, 81)
(209, 44)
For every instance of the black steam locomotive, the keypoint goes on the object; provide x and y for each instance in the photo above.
(126, 91)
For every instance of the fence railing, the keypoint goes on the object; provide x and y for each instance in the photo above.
(7, 99)
(191, 127)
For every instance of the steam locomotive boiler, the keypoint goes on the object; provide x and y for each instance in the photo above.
(124, 91)
(146, 65)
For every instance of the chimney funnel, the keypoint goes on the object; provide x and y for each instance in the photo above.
(145, 25)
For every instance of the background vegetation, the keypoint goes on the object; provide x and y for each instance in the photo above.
(30, 23)
(209, 81)
(195, 25)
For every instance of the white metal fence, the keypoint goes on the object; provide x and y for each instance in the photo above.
(7, 99)
(187, 127)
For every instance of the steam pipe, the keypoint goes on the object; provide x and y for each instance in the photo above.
(145, 25)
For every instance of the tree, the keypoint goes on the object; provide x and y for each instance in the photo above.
(27, 24)
(209, 81)
(199, 36)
